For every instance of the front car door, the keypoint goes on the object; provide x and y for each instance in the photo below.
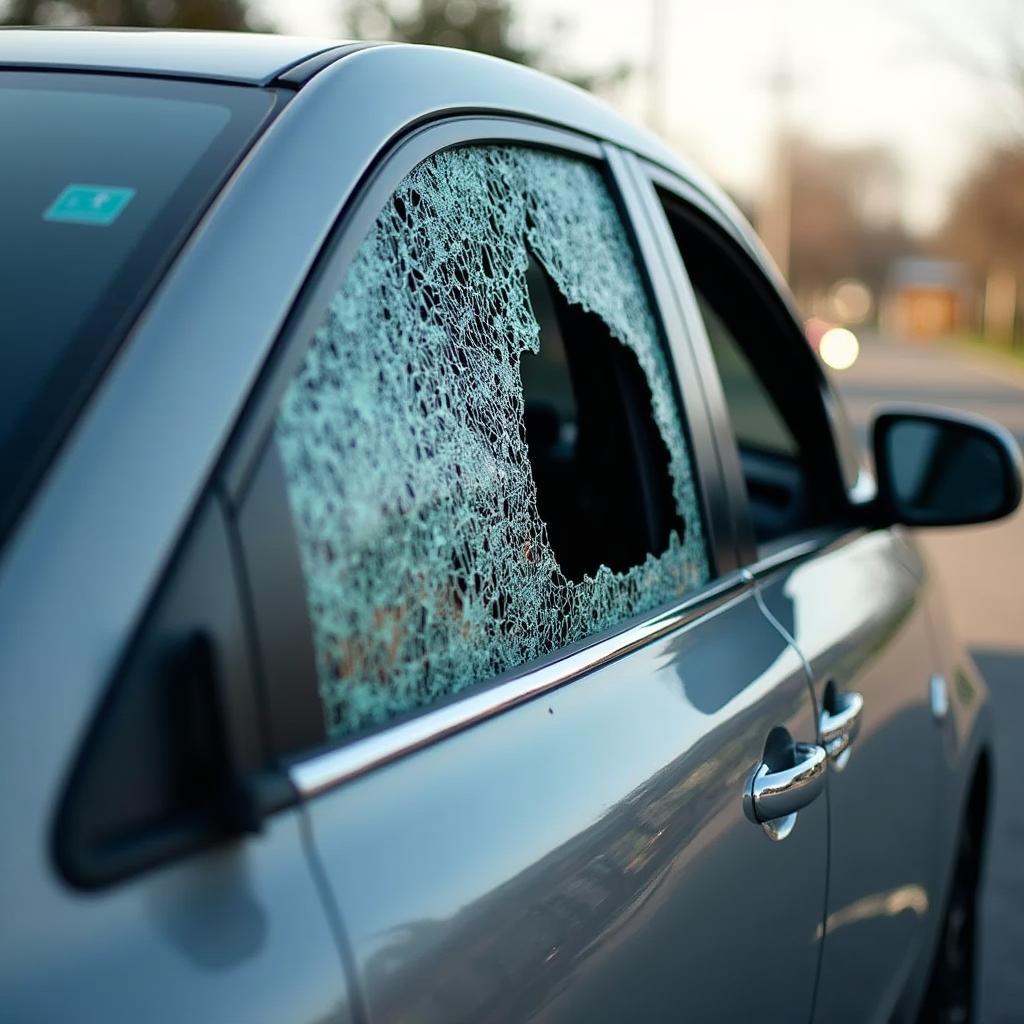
(481, 554)
(853, 601)
(859, 617)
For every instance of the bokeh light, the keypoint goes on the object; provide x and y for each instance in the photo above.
(851, 301)
(839, 348)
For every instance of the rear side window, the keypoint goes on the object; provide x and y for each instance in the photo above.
(101, 178)
(483, 452)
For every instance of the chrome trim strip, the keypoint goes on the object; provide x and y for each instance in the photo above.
(323, 771)
(822, 541)
(793, 553)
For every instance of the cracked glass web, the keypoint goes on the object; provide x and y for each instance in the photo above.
(426, 563)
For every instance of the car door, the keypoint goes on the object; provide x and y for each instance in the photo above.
(855, 606)
(522, 687)
(859, 618)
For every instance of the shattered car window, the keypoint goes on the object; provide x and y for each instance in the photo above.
(428, 566)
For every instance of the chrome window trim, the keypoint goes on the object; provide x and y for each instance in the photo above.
(326, 769)
(823, 539)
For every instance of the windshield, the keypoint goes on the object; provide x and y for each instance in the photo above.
(101, 178)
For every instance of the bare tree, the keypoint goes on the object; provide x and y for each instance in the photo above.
(985, 230)
(985, 224)
(484, 26)
(984, 227)
(844, 220)
(231, 15)
(992, 56)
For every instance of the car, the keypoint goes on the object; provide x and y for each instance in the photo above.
(438, 581)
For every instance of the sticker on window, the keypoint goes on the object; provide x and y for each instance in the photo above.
(89, 204)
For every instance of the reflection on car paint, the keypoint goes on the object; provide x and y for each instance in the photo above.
(883, 904)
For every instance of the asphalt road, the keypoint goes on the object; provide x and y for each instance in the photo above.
(982, 572)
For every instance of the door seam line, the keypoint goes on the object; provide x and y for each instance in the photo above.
(809, 678)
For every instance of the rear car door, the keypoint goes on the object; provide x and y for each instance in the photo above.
(854, 602)
(521, 683)
(127, 697)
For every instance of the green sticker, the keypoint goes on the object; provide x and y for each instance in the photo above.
(89, 204)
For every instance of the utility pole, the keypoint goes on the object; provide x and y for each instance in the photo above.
(657, 72)
(775, 217)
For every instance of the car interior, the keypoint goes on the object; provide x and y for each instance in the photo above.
(599, 463)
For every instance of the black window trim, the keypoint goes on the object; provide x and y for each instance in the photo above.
(677, 309)
(849, 520)
(313, 770)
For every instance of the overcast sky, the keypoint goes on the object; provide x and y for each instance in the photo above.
(865, 71)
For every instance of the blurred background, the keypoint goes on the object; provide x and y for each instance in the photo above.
(878, 148)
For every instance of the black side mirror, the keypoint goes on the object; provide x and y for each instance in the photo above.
(942, 468)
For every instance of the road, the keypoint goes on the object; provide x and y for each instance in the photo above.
(982, 572)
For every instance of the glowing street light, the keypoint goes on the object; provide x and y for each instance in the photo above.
(839, 348)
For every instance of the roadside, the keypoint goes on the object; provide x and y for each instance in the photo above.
(977, 349)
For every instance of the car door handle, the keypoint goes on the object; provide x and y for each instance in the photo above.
(776, 794)
(839, 728)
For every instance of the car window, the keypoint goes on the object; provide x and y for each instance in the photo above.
(756, 421)
(482, 449)
(769, 384)
(101, 178)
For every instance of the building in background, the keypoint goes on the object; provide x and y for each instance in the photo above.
(927, 298)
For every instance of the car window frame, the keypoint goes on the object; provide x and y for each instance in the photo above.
(318, 767)
(839, 458)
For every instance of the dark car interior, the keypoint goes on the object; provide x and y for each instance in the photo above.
(600, 465)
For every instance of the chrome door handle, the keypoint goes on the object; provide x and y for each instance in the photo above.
(839, 728)
(772, 799)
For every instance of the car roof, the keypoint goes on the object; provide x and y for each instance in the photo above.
(256, 58)
(251, 58)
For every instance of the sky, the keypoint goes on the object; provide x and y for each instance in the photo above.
(865, 72)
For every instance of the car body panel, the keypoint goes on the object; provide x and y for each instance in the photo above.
(585, 856)
(969, 773)
(238, 933)
(860, 619)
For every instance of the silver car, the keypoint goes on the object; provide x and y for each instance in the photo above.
(438, 582)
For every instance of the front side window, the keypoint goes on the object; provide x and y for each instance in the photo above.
(769, 384)
(756, 421)
(483, 452)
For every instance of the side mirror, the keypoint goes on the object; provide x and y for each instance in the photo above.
(941, 468)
